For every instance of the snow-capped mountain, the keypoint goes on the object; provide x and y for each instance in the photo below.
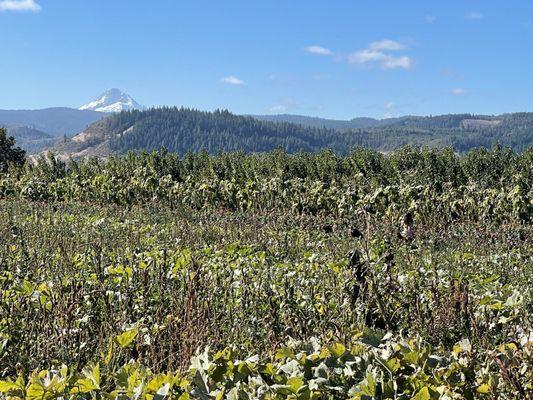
(114, 100)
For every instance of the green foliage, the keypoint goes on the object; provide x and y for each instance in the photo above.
(9, 154)
(290, 268)
(486, 185)
(310, 371)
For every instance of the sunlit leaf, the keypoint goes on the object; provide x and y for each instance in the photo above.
(125, 338)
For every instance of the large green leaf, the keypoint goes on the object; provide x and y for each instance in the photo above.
(125, 338)
(7, 386)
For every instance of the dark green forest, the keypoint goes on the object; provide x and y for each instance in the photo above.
(182, 130)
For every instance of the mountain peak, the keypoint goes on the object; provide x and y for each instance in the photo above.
(113, 100)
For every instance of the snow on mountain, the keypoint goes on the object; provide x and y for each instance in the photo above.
(113, 100)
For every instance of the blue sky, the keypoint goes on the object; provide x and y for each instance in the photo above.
(337, 59)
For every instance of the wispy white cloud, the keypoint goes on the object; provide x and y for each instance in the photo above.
(397, 62)
(430, 19)
(322, 51)
(284, 105)
(366, 56)
(474, 16)
(279, 108)
(378, 54)
(233, 80)
(459, 92)
(20, 5)
(387, 44)
(389, 110)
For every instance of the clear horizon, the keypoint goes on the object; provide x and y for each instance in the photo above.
(339, 60)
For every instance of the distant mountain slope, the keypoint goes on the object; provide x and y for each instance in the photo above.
(182, 130)
(113, 100)
(449, 121)
(53, 121)
(23, 132)
(315, 122)
(31, 140)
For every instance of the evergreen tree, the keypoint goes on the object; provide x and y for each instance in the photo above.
(9, 154)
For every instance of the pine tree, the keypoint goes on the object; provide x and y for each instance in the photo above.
(9, 154)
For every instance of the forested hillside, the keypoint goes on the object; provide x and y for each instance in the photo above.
(461, 131)
(30, 139)
(315, 122)
(182, 130)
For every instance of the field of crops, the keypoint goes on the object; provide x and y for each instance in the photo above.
(268, 276)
